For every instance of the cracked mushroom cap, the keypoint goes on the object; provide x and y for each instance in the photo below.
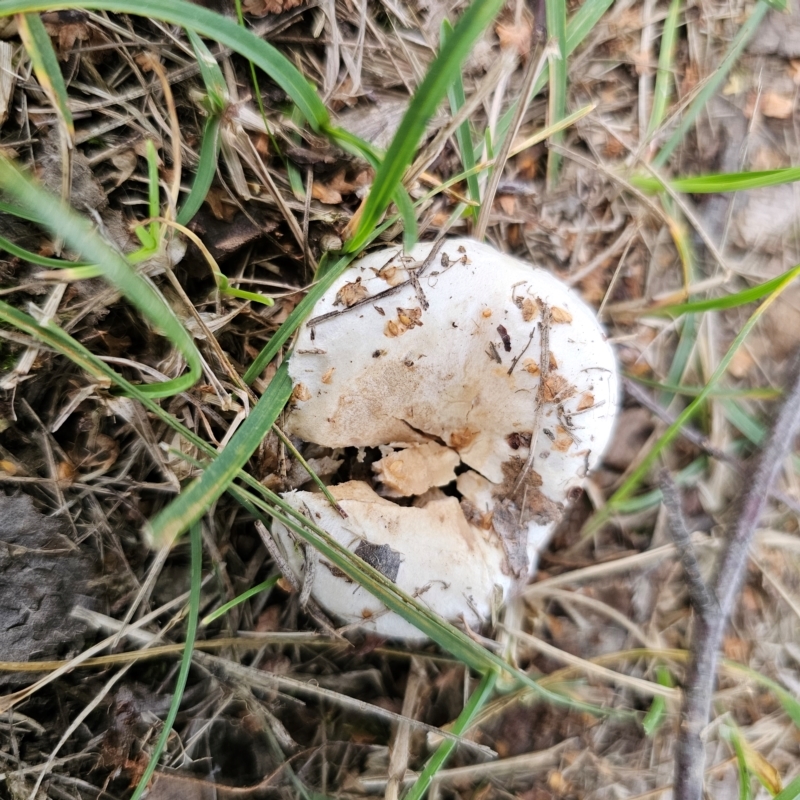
(457, 356)
(447, 346)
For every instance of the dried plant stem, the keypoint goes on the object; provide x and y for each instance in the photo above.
(532, 72)
(710, 623)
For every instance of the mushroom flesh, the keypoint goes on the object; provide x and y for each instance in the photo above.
(453, 359)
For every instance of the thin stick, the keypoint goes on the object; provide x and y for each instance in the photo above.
(698, 591)
(710, 626)
(532, 72)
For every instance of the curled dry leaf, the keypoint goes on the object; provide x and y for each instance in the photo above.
(454, 378)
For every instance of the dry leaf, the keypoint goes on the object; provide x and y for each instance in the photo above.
(351, 293)
(518, 36)
(560, 315)
(220, 204)
(508, 203)
(260, 8)
(776, 105)
(325, 194)
(586, 401)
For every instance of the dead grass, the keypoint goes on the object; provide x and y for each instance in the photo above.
(284, 710)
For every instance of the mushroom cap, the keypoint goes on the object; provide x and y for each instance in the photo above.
(453, 356)
(431, 553)
(458, 353)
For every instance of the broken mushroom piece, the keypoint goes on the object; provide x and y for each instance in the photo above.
(431, 553)
(475, 357)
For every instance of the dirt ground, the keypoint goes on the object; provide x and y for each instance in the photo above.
(275, 706)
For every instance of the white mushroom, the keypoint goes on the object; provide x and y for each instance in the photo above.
(477, 357)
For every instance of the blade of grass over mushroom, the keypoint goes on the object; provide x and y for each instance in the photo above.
(556, 11)
(298, 314)
(729, 300)
(186, 660)
(423, 104)
(409, 608)
(713, 82)
(81, 236)
(211, 25)
(466, 149)
(45, 66)
(720, 182)
(325, 280)
(631, 484)
(328, 274)
(662, 90)
(482, 694)
(195, 499)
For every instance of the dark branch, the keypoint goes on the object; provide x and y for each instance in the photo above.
(709, 626)
(698, 591)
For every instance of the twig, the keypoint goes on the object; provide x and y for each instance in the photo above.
(544, 371)
(532, 72)
(709, 627)
(698, 591)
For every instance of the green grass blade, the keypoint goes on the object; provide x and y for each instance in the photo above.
(556, 11)
(80, 235)
(206, 169)
(720, 182)
(755, 393)
(745, 790)
(154, 209)
(730, 300)
(476, 702)
(466, 148)
(211, 25)
(186, 660)
(298, 314)
(409, 217)
(35, 258)
(264, 586)
(657, 712)
(193, 501)
(666, 58)
(422, 106)
(714, 81)
(213, 79)
(673, 431)
(790, 792)
(22, 213)
(45, 66)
